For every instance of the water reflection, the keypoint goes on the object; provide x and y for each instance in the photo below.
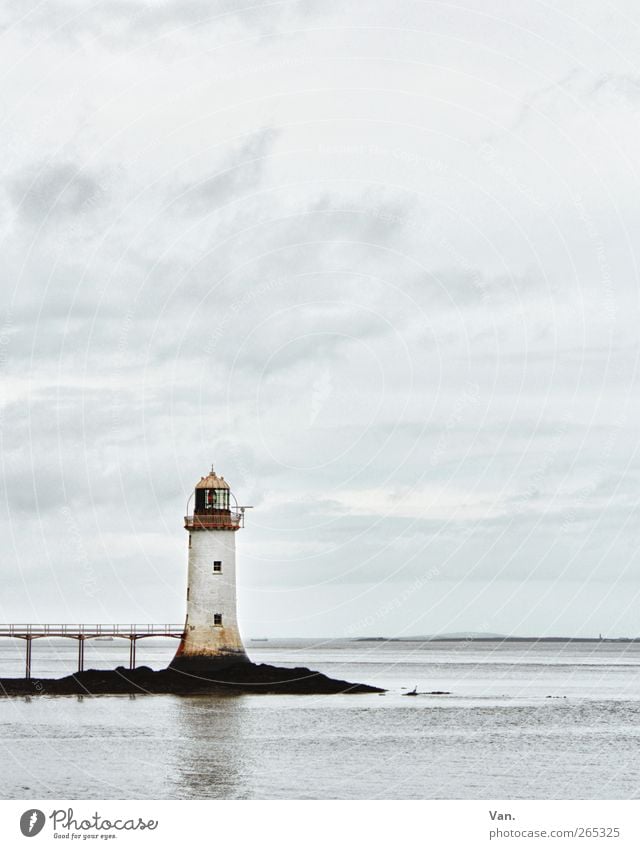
(212, 760)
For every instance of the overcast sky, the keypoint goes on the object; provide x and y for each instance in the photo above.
(377, 262)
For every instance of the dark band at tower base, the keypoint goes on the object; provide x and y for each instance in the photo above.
(204, 664)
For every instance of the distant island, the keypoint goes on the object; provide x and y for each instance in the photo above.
(492, 638)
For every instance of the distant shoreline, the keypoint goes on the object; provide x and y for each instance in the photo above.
(497, 639)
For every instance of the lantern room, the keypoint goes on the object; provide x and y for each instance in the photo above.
(211, 493)
(214, 506)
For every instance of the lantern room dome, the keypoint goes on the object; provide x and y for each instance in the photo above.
(214, 506)
(212, 481)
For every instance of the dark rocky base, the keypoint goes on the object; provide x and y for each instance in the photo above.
(240, 678)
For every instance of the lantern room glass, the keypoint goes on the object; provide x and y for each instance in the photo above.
(212, 500)
(216, 499)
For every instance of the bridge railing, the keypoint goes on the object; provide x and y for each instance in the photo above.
(81, 632)
(98, 629)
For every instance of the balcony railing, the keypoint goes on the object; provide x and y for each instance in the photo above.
(222, 520)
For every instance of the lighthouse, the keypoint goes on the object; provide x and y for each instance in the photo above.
(211, 638)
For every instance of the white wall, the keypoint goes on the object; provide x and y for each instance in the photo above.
(211, 593)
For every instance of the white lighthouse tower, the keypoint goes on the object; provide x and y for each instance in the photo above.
(211, 638)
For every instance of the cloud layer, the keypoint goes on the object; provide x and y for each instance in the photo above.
(382, 272)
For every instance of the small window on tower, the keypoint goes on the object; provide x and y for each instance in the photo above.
(189, 540)
(217, 618)
(217, 565)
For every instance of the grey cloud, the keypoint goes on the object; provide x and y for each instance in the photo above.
(240, 172)
(617, 89)
(371, 215)
(118, 23)
(47, 192)
(540, 99)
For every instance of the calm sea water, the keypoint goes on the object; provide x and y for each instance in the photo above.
(522, 721)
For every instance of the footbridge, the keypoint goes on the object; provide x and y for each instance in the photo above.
(82, 633)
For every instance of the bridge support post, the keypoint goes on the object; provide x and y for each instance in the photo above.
(80, 654)
(132, 653)
(27, 671)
